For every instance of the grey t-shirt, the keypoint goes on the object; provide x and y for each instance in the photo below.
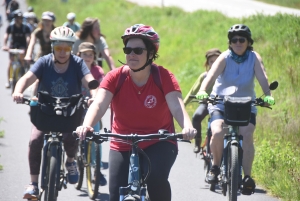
(100, 45)
(60, 84)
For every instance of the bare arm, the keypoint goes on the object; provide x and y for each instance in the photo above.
(106, 55)
(216, 69)
(85, 82)
(30, 47)
(22, 84)
(5, 39)
(176, 106)
(261, 75)
(95, 112)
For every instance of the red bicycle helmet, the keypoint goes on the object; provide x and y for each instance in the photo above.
(141, 31)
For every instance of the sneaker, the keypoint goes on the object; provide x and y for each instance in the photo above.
(212, 175)
(102, 180)
(248, 186)
(32, 191)
(7, 85)
(72, 172)
(197, 149)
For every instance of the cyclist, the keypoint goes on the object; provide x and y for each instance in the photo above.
(90, 32)
(201, 112)
(10, 8)
(237, 66)
(42, 34)
(20, 36)
(140, 106)
(87, 51)
(75, 26)
(61, 74)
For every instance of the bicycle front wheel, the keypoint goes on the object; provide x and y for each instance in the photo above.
(51, 192)
(93, 169)
(233, 173)
(81, 164)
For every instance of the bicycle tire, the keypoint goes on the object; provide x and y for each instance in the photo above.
(93, 176)
(51, 192)
(233, 173)
(208, 161)
(80, 163)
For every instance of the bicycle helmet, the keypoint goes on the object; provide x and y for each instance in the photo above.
(240, 29)
(142, 31)
(62, 33)
(47, 15)
(71, 16)
(30, 9)
(17, 13)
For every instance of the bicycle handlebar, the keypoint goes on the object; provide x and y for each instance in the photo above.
(16, 51)
(134, 138)
(217, 100)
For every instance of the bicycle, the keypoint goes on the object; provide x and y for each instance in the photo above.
(237, 113)
(205, 148)
(16, 69)
(53, 174)
(89, 158)
(136, 189)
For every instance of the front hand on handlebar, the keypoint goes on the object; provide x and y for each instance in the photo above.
(17, 97)
(269, 100)
(189, 133)
(82, 130)
(202, 95)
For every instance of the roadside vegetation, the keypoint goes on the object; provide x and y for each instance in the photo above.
(287, 3)
(185, 37)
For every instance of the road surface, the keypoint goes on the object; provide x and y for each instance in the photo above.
(230, 8)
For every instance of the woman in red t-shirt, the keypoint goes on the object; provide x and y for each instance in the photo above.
(141, 107)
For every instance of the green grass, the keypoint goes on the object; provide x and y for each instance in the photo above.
(185, 37)
(287, 3)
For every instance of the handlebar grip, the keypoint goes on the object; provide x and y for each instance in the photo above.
(26, 101)
(192, 96)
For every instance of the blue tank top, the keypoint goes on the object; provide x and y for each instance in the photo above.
(240, 75)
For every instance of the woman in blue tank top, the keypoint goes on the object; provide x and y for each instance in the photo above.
(237, 66)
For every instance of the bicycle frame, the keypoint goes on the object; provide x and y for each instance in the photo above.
(134, 176)
(53, 139)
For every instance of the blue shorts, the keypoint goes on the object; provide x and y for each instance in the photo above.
(217, 114)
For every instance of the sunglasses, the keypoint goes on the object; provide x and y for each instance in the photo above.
(60, 48)
(136, 50)
(235, 40)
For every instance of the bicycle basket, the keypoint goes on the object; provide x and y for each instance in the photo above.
(237, 110)
(57, 114)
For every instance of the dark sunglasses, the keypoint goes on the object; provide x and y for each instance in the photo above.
(235, 40)
(136, 50)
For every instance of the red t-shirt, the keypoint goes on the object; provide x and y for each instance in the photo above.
(143, 113)
(97, 73)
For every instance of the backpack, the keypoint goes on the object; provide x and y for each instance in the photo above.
(156, 77)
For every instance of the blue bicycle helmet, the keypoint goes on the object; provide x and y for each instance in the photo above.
(242, 30)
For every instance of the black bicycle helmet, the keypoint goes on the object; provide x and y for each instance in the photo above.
(242, 30)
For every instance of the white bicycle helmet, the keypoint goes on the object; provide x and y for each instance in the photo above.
(63, 34)
(71, 16)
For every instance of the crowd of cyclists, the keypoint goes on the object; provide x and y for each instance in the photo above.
(74, 53)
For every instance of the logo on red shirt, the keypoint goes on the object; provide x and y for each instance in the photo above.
(150, 101)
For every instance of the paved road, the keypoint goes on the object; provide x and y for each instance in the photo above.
(231, 8)
(187, 178)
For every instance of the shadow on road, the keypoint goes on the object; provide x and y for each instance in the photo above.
(101, 196)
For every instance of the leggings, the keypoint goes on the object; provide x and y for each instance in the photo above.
(200, 113)
(162, 156)
(36, 145)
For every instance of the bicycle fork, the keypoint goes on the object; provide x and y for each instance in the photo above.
(232, 139)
